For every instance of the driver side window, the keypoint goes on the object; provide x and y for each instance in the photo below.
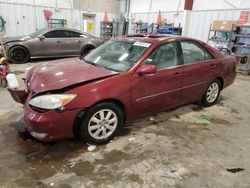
(164, 56)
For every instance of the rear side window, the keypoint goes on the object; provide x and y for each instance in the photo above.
(194, 52)
(71, 34)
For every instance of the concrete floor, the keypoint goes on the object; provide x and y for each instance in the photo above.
(186, 147)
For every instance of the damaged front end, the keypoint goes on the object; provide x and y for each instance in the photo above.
(19, 96)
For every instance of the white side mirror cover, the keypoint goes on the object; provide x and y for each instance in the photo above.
(12, 81)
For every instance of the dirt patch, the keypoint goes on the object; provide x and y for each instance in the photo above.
(176, 116)
(135, 178)
(234, 111)
(124, 131)
(18, 72)
(221, 121)
(197, 108)
(113, 157)
(83, 168)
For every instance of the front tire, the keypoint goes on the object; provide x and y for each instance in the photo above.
(101, 123)
(212, 93)
(19, 55)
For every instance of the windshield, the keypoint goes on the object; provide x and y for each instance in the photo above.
(118, 56)
(36, 33)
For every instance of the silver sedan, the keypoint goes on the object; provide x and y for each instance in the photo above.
(50, 42)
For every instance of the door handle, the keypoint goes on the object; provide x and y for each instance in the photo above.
(177, 73)
(212, 66)
(58, 41)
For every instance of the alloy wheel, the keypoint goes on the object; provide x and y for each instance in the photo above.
(19, 54)
(102, 124)
(213, 92)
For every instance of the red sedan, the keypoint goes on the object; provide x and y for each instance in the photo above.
(125, 78)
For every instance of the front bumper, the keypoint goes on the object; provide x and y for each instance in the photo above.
(19, 96)
(50, 126)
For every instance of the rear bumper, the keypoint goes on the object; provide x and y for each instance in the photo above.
(50, 126)
(229, 80)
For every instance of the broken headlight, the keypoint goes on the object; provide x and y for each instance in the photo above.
(51, 101)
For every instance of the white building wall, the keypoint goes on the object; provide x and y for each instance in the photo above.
(174, 5)
(144, 6)
(171, 10)
(200, 21)
(220, 4)
(47, 3)
(171, 17)
(202, 15)
(26, 17)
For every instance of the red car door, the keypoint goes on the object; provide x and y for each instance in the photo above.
(153, 92)
(197, 71)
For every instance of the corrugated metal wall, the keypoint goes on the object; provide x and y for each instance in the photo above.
(200, 21)
(171, 17)
(22, 19)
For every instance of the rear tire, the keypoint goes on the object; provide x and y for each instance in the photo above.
(86, 50)
(212, 93)
(101, 123)
(19, 55)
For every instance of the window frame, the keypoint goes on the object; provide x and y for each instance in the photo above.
(198, 45)
(178, 54)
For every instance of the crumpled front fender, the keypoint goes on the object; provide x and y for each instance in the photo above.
(19, 96)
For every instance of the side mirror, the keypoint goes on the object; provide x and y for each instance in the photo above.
(41, 37)
(147, 69)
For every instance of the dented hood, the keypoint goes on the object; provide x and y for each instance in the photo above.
(63, 73)
(15, 39)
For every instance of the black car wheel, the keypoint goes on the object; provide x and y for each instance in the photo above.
(19, 54)
(101, 123)
(212, 93)
(86, 50)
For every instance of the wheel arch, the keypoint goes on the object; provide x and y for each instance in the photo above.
(83, 111)
(19, 45)
(221, 80)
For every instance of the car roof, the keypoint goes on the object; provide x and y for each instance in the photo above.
(61, 28)
(153, 38)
